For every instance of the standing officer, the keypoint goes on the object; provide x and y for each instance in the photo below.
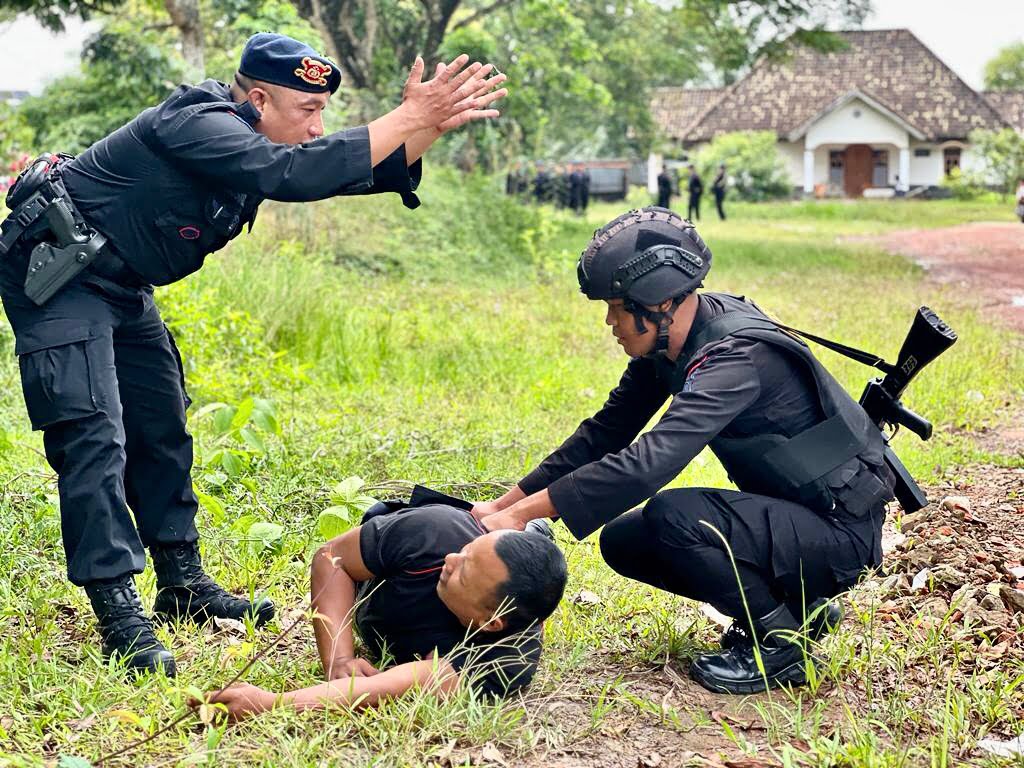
(718, 189)
(808, 462)
(100, 372)
(695, 187)
(664, 188)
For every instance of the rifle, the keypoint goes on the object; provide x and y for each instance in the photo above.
(928, 338)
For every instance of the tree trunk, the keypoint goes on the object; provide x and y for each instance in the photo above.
(185, 16)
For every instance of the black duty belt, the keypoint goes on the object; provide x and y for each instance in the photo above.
(37, 198)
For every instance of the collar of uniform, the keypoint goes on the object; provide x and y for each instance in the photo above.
(247, 112)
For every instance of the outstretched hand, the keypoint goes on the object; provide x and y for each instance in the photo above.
(454, 96)
(241, 700)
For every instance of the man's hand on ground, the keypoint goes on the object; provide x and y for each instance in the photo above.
(242, 700)
(350, 666)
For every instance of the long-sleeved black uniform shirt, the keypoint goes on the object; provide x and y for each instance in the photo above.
(184, 177)
(735, 387)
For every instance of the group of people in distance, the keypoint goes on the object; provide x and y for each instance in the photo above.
(667, 184)
(565, 185)
(443, 592)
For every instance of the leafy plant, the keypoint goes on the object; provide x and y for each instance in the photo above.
(348, 503)
(240, 434)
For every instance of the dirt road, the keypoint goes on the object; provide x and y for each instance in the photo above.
(985, 258)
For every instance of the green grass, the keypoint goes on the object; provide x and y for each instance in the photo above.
(451, 346)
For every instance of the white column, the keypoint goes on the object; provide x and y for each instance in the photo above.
(808, 171)
(653, 169)
(904, 183)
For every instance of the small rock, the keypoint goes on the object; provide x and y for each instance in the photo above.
(914, 520)
(956, 504)
(586, 597)
(920, 582)
(1014, 598)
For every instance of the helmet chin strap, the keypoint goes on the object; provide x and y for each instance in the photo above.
(661, 319)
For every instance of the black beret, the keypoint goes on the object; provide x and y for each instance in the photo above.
(282, 60)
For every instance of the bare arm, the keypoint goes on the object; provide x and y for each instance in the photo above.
(337, 566)
(246, 700)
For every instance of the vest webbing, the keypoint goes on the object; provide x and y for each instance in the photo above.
(809, 455)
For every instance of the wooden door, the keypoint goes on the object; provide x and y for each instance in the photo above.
(858, 167)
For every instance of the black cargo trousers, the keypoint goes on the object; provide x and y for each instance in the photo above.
(740, 551)
(102, 379)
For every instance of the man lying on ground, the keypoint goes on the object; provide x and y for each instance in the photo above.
(431, 589)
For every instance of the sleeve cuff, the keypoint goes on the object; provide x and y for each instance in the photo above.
(572, 509)
(394, 174)
(368, 546)
(537, 480)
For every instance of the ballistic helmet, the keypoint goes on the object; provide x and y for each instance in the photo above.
(645, 257)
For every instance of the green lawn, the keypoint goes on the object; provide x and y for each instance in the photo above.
(451, 346)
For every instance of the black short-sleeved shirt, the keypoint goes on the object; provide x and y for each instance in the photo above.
(400, 613)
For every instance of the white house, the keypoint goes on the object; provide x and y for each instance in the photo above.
(884, 113)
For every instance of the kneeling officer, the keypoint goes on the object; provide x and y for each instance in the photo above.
(808, 461)
(87, 240)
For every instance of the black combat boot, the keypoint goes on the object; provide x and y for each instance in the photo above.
(127, 632)
(737, 671)
(185, 591)
(823, 614)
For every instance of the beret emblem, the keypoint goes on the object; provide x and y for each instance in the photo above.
(313, 72)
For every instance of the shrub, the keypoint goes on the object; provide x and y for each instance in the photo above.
(752, 161)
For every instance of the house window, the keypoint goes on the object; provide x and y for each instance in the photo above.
(835, 168)
(922, 152)
(879, 168)
(950, 159)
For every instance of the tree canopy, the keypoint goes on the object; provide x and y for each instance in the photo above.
(1005, 70)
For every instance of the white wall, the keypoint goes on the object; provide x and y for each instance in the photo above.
(925, 171)
(792, 154)
(855, 123)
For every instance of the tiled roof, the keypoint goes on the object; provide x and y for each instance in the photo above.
(1010, 105)
(891, 67)
(674, 109)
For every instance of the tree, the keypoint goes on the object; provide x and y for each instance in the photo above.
(126, 67)
(1003, 155)
(189, 22)
(375, 40)
(1005, 70)
(51, 13)
(752, 163)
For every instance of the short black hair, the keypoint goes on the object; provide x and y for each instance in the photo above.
(536, 578)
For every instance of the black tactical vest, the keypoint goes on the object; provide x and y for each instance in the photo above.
(836, 468)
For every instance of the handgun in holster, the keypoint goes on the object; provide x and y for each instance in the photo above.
(40, 193)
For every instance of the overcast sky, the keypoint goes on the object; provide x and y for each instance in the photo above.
(964, 35)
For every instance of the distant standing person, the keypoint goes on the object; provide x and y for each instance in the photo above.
(541, 184)
(718, 188)
(696, 187)
(664, 188)
(1020, 200)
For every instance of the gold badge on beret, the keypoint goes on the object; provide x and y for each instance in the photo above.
(313, 72)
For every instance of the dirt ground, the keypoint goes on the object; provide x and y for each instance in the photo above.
(965, 549)
(986, 258)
